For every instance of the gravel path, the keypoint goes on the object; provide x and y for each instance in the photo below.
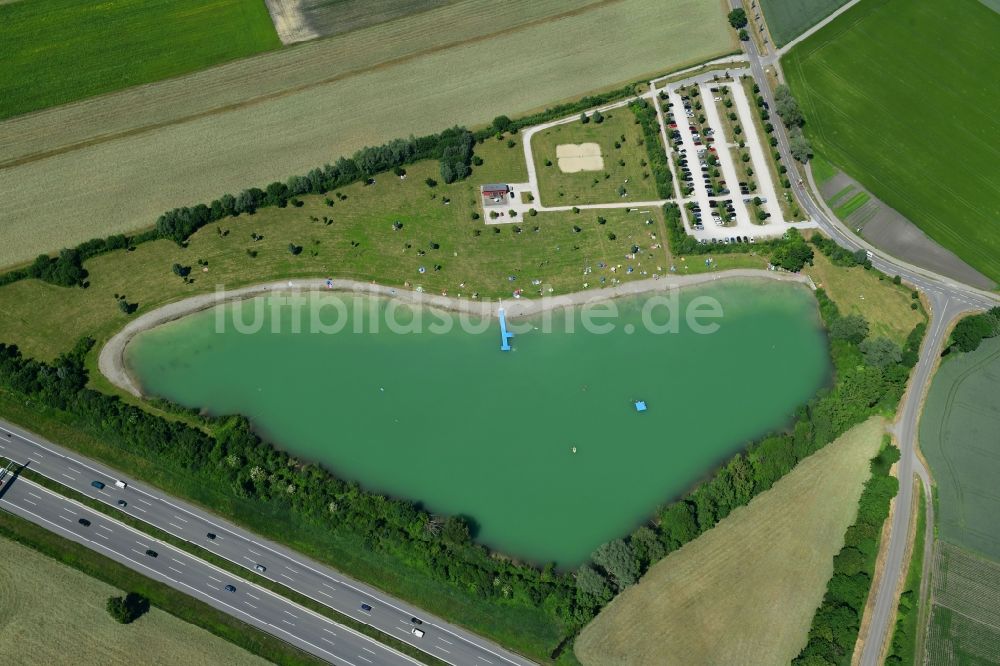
(112, 358)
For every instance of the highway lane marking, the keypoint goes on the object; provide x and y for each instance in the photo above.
(66, 519)
(76, 471)
(329, 596)
(322, 638)
(178, 527)
(287, 577)
(291, 569)
(329, 586)
(445, 640)
(215, 579)
(249, 604)
(248, 559)
(139, 508)
(212, 586)
(34, 495)
(136, 551)
(292, 614)
(290, 624)
(253, 596)
(367, 650)
(328, 631)
(29, 502)
(175, 569)
(144, 545)
(102, 536)
(105, 528)
(179, 518)
(183, 564)
(254, 551)
(442, 649)
(71, 478)
(366, 659)
(139, 499)
(483, 659)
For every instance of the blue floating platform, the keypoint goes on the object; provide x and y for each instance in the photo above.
(504, 335)
(640, 406)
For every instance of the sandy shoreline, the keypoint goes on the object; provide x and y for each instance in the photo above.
(111, 361)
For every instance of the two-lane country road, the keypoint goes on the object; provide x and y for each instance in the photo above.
(319, 582)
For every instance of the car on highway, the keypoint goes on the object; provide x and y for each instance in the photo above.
(97, 484)
(416, 620)
(211, 536)
(122, 503)
(366, 608)
(151, 552)
(84, 522)
(230, 588)
(260, 567)
(419, 633)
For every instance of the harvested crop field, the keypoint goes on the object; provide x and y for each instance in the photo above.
(113, 164)
(49, 611)
(92, 47)
(958, 435)
(298, 20)
(965, 615)
(745, 591)
(892, 93)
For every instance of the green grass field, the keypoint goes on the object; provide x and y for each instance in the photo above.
(958, 437)
(49, 611)
(908, 612)
(745, 591)
(620, 140)
(787, 19)
(965, 618)
(917, 130)
(473, 257)
(57, 51)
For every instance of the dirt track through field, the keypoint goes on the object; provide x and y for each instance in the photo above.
(112, 164)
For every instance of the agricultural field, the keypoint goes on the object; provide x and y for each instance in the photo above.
(958, 437)
(49, 611)
(925, 150)
(185, 140)
(745, 591)
(787, 19)
(965, 616)
(93, 47)
(324, 18)
(622, 157)
(887, 307)
(353, 238)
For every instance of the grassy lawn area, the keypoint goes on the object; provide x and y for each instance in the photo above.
(256, 120)
(49, 611)
(958, 436)
(787, 19)
(844, 210)
(927, 149)
(57, 51)
(356, 240)
(821, 169)
(745, 591)
(622, 152)
(886, 306)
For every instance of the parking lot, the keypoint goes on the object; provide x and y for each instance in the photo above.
(722, 202)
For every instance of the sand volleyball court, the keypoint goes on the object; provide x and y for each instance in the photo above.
(574, 157)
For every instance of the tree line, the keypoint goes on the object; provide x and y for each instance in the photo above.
(970, 331)
(657, 156)
(787, 108)
(835, 625)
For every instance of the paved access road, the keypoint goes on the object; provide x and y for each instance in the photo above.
(297, 572)
(254, 605)
(947, 299)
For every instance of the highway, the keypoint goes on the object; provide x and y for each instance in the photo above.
(947, 299)
(319, 582)
(250, 603)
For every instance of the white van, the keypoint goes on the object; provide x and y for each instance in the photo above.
(419, 633)
(121, 484)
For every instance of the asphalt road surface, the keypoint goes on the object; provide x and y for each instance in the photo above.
(447, 642)
(947, 299)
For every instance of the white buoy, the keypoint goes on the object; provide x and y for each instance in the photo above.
(574, 449)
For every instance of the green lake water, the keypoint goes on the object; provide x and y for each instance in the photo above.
(452, 422)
